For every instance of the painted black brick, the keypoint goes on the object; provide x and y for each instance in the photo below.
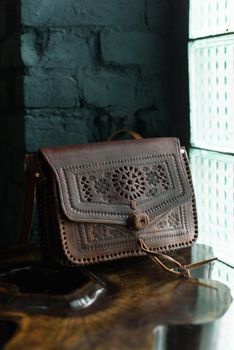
(57, 49)
(104, 57)
(159, 15)
(12, 123)
(90, 68)
(69, 13)
(134, 48)
(49, 91)
(3, 20)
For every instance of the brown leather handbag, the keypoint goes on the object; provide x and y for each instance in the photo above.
(112, 200)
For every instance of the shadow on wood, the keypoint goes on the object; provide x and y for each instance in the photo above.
(126, 304)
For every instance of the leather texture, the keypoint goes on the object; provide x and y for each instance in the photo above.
(33, 178)
(100, 198)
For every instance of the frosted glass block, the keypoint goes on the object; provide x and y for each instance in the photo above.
(213, 178)
(210, 17)
(223, 273)
(211, 80)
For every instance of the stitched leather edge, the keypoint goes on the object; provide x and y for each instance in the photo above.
(71, 260)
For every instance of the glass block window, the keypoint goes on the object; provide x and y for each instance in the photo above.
(225, 274)
(211, 85)
(213, 179)
(210, 17)
(211, 68)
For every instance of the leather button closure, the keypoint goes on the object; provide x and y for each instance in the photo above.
(138, 221)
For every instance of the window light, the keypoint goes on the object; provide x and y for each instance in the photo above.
(211, 78)
(213, 178)
(210, 17)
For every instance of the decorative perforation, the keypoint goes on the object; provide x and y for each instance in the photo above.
(158, 177)
(85, 187)
(106, 237)
(116, 253)
(103, 185)
(211, 66)
(194, 206)
(129, 182)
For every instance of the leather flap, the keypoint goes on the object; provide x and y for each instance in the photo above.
(108, 182)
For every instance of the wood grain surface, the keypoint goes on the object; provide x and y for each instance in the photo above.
(127, 304)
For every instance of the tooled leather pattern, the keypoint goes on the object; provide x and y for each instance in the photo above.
(121, 184)
(125, 183)
(101, 182)
(107, 183)
(99, 242)
(112, 185)
(98, 236)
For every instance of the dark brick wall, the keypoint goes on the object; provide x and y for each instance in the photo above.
(180, 78)
(12, 121)
(74, 71)
(93, 67)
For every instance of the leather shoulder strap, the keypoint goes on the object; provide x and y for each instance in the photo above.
(33, 178)
(133, 134)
